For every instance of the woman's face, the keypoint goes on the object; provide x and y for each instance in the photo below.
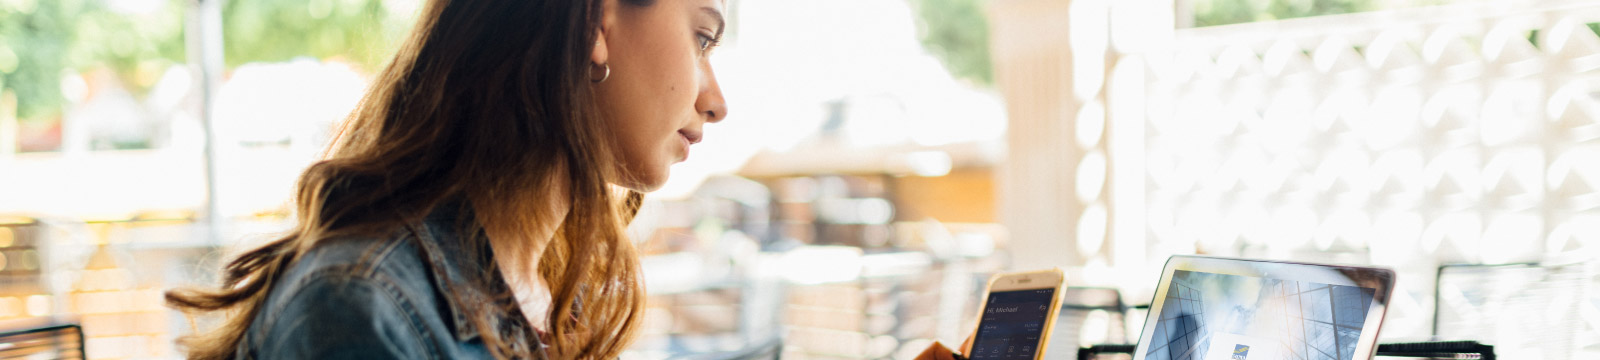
(660, 91)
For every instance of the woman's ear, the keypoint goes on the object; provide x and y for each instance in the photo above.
(599, 55)
(608, 16)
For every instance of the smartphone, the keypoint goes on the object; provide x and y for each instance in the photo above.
(1019, 309)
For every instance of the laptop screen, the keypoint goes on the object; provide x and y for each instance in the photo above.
(1213, 316)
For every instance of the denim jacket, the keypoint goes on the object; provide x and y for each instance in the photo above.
(409, 295)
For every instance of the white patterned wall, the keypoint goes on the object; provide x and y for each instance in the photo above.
(1403, 138)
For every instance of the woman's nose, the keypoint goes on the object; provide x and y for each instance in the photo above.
(710, 102)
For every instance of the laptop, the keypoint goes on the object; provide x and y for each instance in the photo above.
(1210, 308)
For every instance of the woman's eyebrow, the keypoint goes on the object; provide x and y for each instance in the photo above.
(715, 14)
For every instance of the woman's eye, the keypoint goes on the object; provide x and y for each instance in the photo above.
(705, 42)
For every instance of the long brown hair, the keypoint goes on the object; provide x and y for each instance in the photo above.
(490, 103)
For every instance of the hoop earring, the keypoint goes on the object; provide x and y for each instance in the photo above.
(603, 76)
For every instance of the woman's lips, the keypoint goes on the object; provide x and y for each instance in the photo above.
(686, 141)
(691, 135)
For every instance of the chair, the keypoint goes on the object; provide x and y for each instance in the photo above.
(770, 349)
(1078, 306)
(63, 341)
(1422, 350)
(1546, 301)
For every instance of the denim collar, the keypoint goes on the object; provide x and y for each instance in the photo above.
(460, 275)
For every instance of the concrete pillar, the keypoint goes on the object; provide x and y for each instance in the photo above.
(1034, 70)
(1072, 75)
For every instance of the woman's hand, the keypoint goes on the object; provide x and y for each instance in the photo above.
(937, 351)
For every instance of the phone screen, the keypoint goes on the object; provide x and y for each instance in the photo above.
(1012, 324)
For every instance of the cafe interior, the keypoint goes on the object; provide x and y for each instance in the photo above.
(883, 159)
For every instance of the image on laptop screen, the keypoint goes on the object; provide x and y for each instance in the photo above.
(1229, 317)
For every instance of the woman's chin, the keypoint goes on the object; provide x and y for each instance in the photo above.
(645, 183)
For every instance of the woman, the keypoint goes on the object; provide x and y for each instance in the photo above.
(473, 206)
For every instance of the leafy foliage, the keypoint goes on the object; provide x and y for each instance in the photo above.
(32, 40)
(957, 32)
(357, 31)
(1223, 12)
(40, 40)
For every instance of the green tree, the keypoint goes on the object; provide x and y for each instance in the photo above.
(359, 31)
(40, 40)
(1223, 12)
(957, 32)
(34, 39)
(136, 47)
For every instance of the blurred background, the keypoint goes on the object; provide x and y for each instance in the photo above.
(881, 160)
